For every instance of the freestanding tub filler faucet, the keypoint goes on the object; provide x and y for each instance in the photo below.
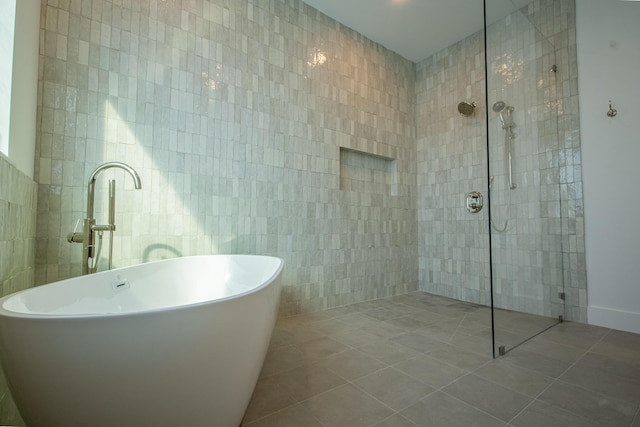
(90, 248)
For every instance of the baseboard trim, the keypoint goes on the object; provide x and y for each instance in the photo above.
(615, 319)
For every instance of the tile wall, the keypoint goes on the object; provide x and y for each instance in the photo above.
(542, 244)
(234, 114)
(17, 231)
(18, 196)
(451, 157)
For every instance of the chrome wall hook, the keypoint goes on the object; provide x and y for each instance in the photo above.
(612, 111)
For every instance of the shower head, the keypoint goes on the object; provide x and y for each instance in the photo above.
(466, 108)
(499, 106)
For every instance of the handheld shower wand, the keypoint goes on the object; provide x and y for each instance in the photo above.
(499, 107)
(507, 124)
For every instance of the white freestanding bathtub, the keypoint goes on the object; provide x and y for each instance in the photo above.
(178, 342)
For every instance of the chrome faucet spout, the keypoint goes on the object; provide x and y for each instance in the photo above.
(90, 252)
(94, 175)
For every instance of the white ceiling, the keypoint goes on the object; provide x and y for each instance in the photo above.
(415, 29)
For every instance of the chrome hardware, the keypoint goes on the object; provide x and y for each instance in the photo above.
(612, 111)
(474, 202)
(466, 108)
(74, 236)
(90, 246)
(507, 124)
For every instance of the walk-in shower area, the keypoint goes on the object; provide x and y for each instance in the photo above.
(524, 252)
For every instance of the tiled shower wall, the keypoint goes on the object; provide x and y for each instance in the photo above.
(542, 246)
(451, 156)
(18, 194)
(234, 114)
(17, 228)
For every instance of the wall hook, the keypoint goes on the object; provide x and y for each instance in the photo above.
(612, 111)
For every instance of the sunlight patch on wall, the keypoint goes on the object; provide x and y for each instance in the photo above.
(149, 220)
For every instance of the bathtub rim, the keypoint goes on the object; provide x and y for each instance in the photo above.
(6, 313)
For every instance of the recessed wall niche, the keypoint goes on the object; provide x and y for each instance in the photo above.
(368, 173)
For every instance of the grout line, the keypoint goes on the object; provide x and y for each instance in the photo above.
(474, 407)
(557, 379)
(636, 419)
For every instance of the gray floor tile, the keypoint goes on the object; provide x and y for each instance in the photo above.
(613, 365)
(292, 416)
(543, 414)
(441, 331)
(478, 343)
(522, 380)
(367, 305)
(489, 397)
(321, 348)
(383, 302)
(599, 408)
(476, 321)
(430, 371)
(458, 357)
(281, 338)
(381, 314)
(355, 320)
(553, 349)
(292, 330)
(510, 338)
(394, 388)
(306, 381)
(282, 359)
(439, 409)
(600, 381)
(426, 316)
(296, 329)
(435, 300)
(395, 420)
(621, 339)
(329, 326)
(389, 352)
(346, 406)
(404, 309)
(619, 344)
(522, 323)
(407, 323)
(340, 311)
(354, 337)
(353, 364)
(576, 334)
(382, 330)
(268, 397)
(537, 362)
(417, 341)
(449, 311)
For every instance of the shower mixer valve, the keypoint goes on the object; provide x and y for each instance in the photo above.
(474, 202)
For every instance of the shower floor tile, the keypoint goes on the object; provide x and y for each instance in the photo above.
(420, 359)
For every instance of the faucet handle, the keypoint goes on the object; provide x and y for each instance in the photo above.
(112, 204)
(74, 237)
